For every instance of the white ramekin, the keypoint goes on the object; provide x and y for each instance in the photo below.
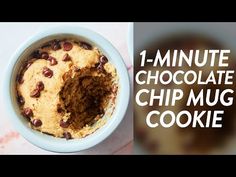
(48, 142)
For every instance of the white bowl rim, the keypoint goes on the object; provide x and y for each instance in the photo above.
(58, 144)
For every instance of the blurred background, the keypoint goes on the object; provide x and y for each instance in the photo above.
(175, 140)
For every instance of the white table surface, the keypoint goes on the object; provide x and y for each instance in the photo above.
(11, 36)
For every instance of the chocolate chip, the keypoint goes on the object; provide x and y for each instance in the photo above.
(64, 124)
(40, 86)
(67, 46)
(59, 108)
(52, 60)
(67, 135)
(20, 100)
(103, 59)
(55, 45)
(100, 67)
(27, 112)
(36, 54)
(36, 122)
(35, 93)
(19, 79)
(44, 55)
(86, 46)
(66, 57)
(47, 72)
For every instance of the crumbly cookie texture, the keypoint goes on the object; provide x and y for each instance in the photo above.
(67, 89)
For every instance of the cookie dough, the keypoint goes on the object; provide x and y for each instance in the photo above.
(67, 89)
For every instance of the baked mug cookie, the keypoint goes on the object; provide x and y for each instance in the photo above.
(66, 88)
